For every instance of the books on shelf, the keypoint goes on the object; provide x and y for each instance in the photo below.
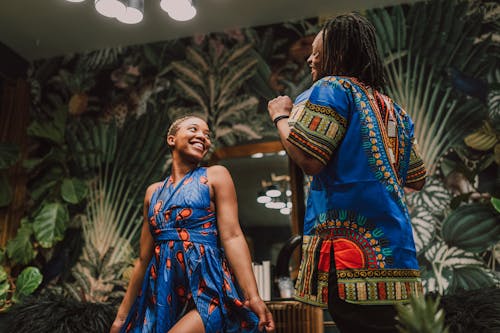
(262, 273)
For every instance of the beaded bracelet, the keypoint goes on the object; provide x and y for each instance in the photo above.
(278, 118)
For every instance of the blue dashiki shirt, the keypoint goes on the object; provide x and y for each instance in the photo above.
(188, 268)
(356, 204)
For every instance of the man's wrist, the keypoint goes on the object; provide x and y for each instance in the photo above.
(280, 117)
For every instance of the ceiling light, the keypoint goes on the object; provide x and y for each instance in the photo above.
(270, 204)
(275, 205)
(110, 8)
(273, 191)
(179, 10)
(279, 205)
(285, 211)
(133, 13)
(263, 198)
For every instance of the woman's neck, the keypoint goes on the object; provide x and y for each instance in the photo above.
(180, 169)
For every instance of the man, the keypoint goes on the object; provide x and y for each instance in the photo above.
(358, 254)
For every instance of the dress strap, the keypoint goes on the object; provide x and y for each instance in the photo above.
(179, 185)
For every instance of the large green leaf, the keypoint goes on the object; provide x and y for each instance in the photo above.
(55, 155)
(19, 249)
(4, 292)
(27, 282)
(9, 153)
(5, 190)
(2, 256)
(45, 182)
(53, 129)
(496, 203)
(3, 274)
(73, 190)
(470, 278)
(50, 223)
(473, 227)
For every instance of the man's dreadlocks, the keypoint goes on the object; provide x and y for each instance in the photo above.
(350, 49)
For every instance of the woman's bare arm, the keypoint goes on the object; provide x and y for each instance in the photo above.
(140, 265)
(234, 243)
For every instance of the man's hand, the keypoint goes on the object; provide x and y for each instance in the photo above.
(280, 106)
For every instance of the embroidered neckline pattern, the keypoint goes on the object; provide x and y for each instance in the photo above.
(375, 141)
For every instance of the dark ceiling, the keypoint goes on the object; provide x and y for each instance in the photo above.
(45, 28)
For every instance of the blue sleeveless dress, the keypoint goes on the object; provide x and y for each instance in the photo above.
(188, 269)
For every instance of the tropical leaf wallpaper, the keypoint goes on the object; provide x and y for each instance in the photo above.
(99, 121)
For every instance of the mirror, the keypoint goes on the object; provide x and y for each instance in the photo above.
(253, 168)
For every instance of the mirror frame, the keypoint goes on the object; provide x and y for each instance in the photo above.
(296, 175)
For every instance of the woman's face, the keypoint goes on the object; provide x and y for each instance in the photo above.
(191, 139)
(315, 60)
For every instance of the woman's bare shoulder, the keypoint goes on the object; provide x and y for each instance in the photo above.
(151, 189)
(218, 171)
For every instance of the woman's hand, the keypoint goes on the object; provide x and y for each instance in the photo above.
(257, 305)
(117, 324)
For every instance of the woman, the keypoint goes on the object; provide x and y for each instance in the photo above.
(182, 281)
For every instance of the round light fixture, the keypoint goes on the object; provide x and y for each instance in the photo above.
(285, 211)
(273, 191)
(263, 198)
(179, 10)
(110, 8)
(133, 13)
(279, 205)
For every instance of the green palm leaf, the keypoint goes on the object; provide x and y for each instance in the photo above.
(417, 55)
(188, 72)
(113, 215)
(215, 89)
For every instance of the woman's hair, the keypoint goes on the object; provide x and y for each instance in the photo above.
(350, 49)
(174, 127)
